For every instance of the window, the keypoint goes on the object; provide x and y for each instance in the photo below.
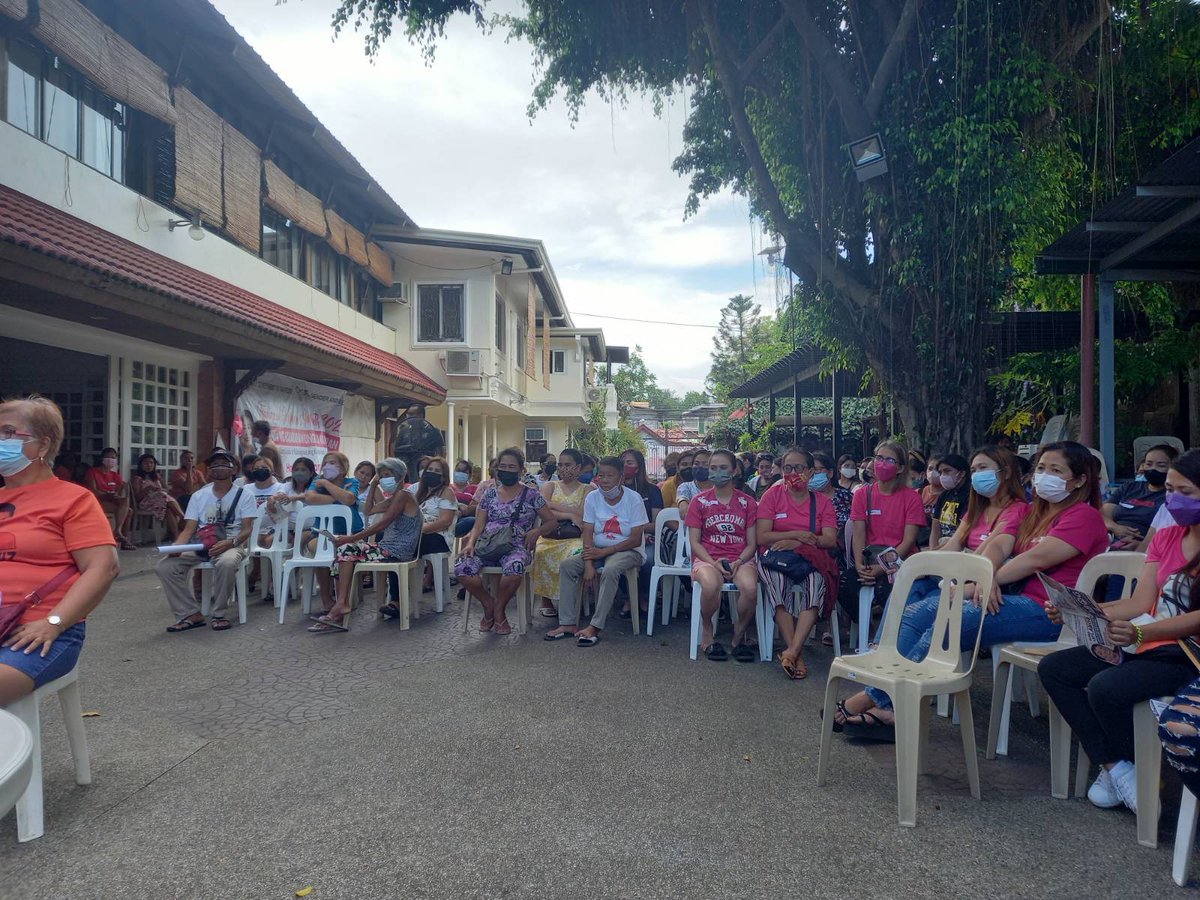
(558, 362)
(159, 412)
(520, 344)
(103, 144)
(60, 110)
(440, 313)
(281, 245)
(323, 275)
(501, 323)
(23, 77)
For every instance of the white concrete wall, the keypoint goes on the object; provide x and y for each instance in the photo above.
(48, 175)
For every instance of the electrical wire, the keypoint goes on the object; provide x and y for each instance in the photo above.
(426, 265)
(646, 321)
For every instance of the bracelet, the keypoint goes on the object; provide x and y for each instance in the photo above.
(1137, 631)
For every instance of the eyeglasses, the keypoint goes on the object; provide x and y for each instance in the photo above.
(7, 433)
(792, 470)
(887, 459)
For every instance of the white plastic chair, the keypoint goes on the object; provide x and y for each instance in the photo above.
(272, 557)
(680, 567)
(730, 590)
(239, 588)
(314, 518)
(909, 683)
(441, 582)
(1011, 658)
(30, 822)
(16, 760)
(404, 572)
(1185, 837)
(766, 626)
(523, 596)
(631, 587)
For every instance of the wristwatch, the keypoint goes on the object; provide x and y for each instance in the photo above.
(54, 620)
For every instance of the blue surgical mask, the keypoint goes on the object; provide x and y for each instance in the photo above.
(586, 477)
(986, 482)
(461, 478)
(13, 458)
(819, 481)
(719, 477)
(388, 484)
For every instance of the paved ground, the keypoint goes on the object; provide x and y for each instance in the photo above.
(432, 763)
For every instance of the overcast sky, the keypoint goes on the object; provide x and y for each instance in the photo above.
(452, 144)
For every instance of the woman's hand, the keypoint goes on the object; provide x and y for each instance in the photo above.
(531, 539)
(32, 635)
(1122, 633)
(589, 571)
(785, 545)
(1126, 533)
(995, 601)
(1053, 614)
(468, 547)
(590, 553)
(342, 540)
(866, 574)
(807, 538)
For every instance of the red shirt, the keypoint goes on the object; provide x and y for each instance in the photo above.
(1008, 522)
(1081, 526)
(781, 507)
(106, 479)
(889, 514)
(40, 525)
(724, 528)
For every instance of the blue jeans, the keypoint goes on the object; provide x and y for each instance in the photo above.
(464, 525)
(922, 588)
(1019, 618)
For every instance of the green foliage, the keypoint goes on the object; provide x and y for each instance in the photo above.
(597, 441)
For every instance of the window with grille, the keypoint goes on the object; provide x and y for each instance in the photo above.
(441, 313)
(159, 412)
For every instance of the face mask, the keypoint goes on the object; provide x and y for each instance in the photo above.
(461, 477)
(1141, 476)
(950, 482)
(885, 470)
(1050, 488)
(931, 475)
(796, 482)
(331, 470)
(700, 473)
(685, 474)
(586, 478)
(848, 471)
(431, 479)
(818, 482)
(720, 477)
(301, 476)
(549, 469)
(986, 482)
(388, 484)
(508, 479)
(671, 470)
(1155, 477)
(109, 463)
(1185, 510)
(12, 457)
(630, 469)
(611, 493)
(260, 475)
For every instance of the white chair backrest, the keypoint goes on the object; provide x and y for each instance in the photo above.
(955, 570)
(1125, 563)
(1103, 468)
(1146, 441)
(681, 541)
(849, 541)
(280, 526)
(316, 517)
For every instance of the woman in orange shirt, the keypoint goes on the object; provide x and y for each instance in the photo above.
(54, 541)
(106, 483)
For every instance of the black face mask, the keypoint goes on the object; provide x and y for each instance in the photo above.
(671, 470)
(432, 479)
(549, 469)
(508, 479)
(700, 473)
(260, 474)
(1155, 477)
(685, 474)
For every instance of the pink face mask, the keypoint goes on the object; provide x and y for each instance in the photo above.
(885, 469)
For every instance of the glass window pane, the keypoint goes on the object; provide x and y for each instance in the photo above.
(98, 129)
(135, 433)
(60, 111)
(135, 414)
(173, 417)
(24, 64)
(162, 415)
(162, 374)
(452, 313)
(137, 390)
(173, 376)
(428, 314)
(137, 368)
(162, 395)
(174, 395)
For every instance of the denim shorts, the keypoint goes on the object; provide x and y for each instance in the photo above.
(61, 659)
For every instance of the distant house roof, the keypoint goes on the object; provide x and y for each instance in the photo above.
(673, 436)
(704, 409)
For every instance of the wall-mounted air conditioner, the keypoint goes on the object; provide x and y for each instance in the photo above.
(462, 362)
(595, 395)
(397, 293)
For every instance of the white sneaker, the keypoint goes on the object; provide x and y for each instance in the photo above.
(1102, 793)
(1124, 778)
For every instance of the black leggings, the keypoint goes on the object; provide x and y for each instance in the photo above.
(1097, 699)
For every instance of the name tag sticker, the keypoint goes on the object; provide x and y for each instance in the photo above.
(876, 512)
(781, 515)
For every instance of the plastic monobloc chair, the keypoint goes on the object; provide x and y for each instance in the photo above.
(1185, 837)
(404, 572)
(910, 684)
(30, 822)
(274, 556)
(730, 590)
(312, 518)
(679, 568)
(523, 596)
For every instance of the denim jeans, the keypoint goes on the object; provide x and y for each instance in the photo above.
(1019, 618)
(921, 589)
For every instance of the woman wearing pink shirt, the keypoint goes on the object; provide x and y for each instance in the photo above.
(1061, 532)
(1097, 698)
(721, 528)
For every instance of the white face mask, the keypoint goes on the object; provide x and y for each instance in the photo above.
(848, 471)
(1050, 487)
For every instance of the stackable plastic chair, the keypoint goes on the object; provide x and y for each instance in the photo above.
(1185, 837)
(30, 822)
(911, 684)
(523, 596)
(16, 760)
(311, 518)
(730, 591)
(404, 572)
(680, 567)
(766, 626)
(274, 556)
(631, 586)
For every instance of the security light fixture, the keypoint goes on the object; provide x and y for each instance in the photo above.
(868, 158)
(195, 232)
(771, 253)
(506, 266)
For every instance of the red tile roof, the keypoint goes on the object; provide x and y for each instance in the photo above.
(32, 224)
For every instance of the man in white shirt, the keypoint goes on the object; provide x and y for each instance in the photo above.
(223, 515)
(614, 519)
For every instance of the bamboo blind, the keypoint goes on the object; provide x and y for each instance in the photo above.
(546, 350)
(530, 329)
(114, 64)
(198, 141)
(289, 199)
(356, 245)
(242, 169)
(380, 265)
(337, 232)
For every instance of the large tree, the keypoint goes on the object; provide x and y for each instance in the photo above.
(980, 105)
(736, 346)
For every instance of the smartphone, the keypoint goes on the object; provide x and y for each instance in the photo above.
(726, 567)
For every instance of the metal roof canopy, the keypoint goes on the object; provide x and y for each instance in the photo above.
(1148, 232)
(798, 373)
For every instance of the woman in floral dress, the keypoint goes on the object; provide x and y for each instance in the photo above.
(565, 499)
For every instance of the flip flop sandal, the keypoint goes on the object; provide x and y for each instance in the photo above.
(837, 726)
(800, 670)
(549, 612)
(716, 652)
(587, 640)
(185, 625)
(326, 628)
(872, 728)
(502, 628)
(744, 653)
(220, 624)
(827, 639)
(788, 666)
(561, 636)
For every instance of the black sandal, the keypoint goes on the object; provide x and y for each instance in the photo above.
(871, 728)
(744, 653)
(185, 625)
(716, 652)
(220, 623)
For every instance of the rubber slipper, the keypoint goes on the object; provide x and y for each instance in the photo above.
(878, 730)
(587, 640)
(716, 652)
(788, 666)
(561, 636)
(185, 625)
(837, 726)
(744, 653)
(549, 612)
(326, 628)
(220, 624)
(502, 628)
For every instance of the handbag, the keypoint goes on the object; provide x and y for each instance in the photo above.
(210, 534)
(789, 562)
(499, 543)
(10, 615)
(566, 531)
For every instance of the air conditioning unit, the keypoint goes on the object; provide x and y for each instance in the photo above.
(595, 395)
(462, 362)
(397, 293)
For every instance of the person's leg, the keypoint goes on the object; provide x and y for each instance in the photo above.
(14, 684)
(615, 567)
(508, 586)
(1066, 675)
(124, 516)
(746, 579)
(345, 584)
(475, 587)
(175, 574)
(225, 569)
(464, 525)
(1114, 692)
(710, 598)
(325, 585)
(570, 573)
(1179, 731)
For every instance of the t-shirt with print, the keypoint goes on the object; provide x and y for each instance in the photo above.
(261, 494)
(1173, 585)
(206, 508)
(786, 513)
(1136, 504)
(723, 527)
(614, 522)
(889, 514)
(1008, 522)
(948, 510)
(1081, 526)
(435, 504)
(40, 526)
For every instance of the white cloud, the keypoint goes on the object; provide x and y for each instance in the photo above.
(452, 144)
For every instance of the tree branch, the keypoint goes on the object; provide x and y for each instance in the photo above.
(765, 46)
(1082, 33)
(891, 56)
(854, 114)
